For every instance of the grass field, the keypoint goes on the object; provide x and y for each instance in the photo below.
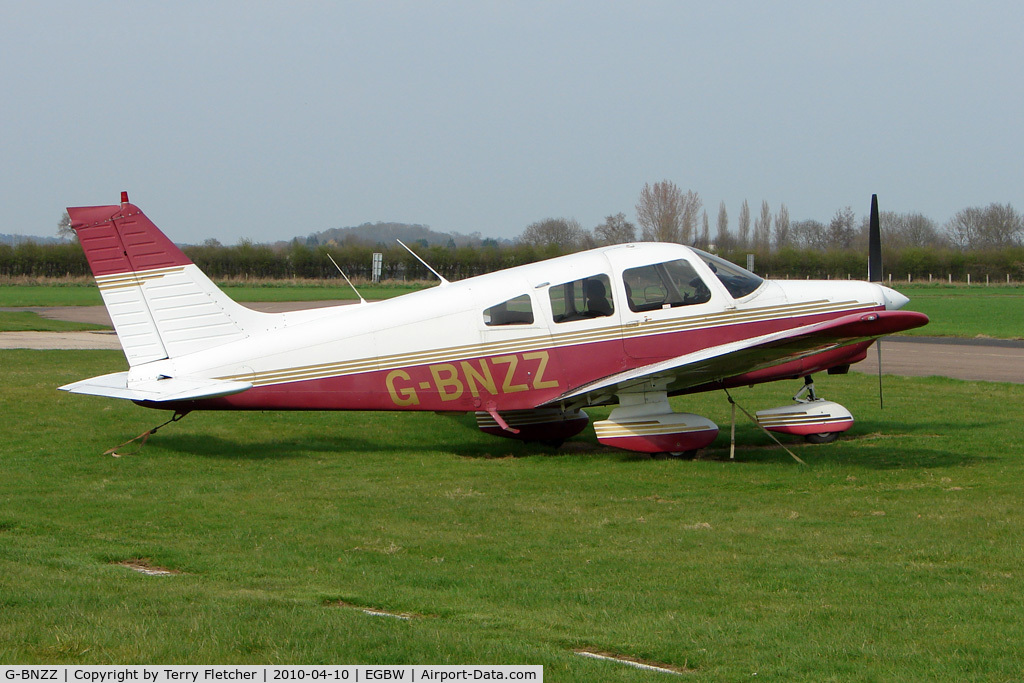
(77, 293)
(968, 311)
(896, 554)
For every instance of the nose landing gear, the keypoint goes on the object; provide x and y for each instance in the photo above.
(815, 419)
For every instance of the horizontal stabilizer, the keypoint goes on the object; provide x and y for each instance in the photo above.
(117, 385)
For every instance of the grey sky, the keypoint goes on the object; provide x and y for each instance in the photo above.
(269, 120)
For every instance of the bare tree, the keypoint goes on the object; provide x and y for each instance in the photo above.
(992, 227)
(688, 225)
(963, 227)
(743, 233)
(916, 229)
(901, 230)
(705, 232)
(841, 231)
(809, 235)
(64, 230)
(782, 227)
(724, 239)
(665, 214)
(565, 233)
(1003, 226)
(587, 240)
(615, 230)
(763, 229)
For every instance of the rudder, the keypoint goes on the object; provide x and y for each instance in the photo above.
(161, 304)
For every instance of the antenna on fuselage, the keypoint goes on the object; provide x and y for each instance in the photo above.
(439, 276)
(361, 299)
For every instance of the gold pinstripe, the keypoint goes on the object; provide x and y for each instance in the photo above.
(539, 342)
(606, 430)
(134, 279)
(795, 420)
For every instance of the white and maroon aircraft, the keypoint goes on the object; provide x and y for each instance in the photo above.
(525, 349)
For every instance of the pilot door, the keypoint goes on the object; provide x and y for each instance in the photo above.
(665, 304)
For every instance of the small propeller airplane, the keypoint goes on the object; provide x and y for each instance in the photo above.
(526, 349)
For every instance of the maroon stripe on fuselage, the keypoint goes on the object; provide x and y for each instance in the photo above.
(531, 379)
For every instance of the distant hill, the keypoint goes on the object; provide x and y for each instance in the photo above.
(386, 233)
(21, 239)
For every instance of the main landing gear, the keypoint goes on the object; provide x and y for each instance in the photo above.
(644, 422)
(815, 419)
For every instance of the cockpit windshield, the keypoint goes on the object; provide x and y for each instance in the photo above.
(739, 281)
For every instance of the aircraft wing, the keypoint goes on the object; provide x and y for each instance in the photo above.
(718, 363)
(116, 385)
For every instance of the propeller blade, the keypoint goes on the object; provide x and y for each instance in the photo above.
(874, 243)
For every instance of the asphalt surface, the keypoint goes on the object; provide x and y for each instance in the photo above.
(988, 360)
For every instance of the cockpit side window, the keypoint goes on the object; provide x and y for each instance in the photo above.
(589, 297)
(516, 311)
(664, 285)
(739, 281)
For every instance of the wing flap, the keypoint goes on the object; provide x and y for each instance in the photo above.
(116, 385)
(717, 363)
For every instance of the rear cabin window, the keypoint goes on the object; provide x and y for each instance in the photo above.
(739, 281)
(664, 285)
(517, 311)
(589, 297)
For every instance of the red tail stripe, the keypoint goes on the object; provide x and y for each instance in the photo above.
(120, 239)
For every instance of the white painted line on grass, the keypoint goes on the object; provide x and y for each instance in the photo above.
(628, 662)
(375, 613)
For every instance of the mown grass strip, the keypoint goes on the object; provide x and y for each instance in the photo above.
(27, 321)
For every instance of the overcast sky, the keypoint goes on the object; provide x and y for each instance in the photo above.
(269, 120)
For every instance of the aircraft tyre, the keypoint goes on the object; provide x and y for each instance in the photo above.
(675, 455)
(826, 437)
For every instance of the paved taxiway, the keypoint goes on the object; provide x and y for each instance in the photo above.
(990, 360)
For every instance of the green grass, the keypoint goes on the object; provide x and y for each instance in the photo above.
(895, 555)
(285, 292)
(50, 295)
(968, 312)
(26, 321)
(80, 294)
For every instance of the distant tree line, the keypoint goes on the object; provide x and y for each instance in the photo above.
(977, 241)
(665, 213)
(248, 260)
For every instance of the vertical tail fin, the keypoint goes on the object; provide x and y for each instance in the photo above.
(161, 304)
